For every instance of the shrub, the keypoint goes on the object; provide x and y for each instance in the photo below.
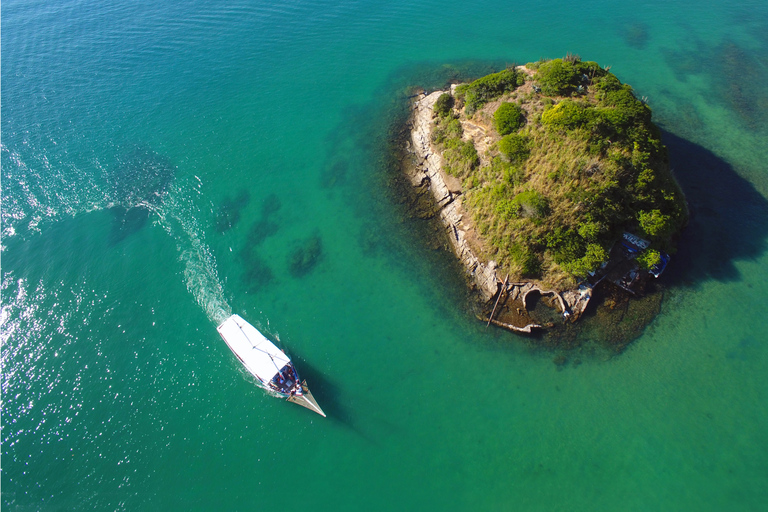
(481, 91)
(560, 77)
(606, 83)
(567, 115)
(590, 68)
(515, 147)
(557, 77)
(526, 259)
(459, 157)
(446, 130)
(531, 203)
(572, 253)
(508, 118)
(565, 245)
(508, 172)
(590, 230)
(621, 109)
(444, 104)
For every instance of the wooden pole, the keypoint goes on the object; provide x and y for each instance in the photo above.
(503, 287)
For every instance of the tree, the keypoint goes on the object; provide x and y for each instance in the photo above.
(654, 223)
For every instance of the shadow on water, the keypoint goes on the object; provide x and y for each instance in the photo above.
(328, 395)
(728, 216)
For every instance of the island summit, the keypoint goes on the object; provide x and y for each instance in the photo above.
(550, 180)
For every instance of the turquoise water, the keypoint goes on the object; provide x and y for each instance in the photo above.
(118, 394)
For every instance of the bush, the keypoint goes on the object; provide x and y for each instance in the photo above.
(565, 245)
(526, 259)
(590, 230)
(557, 77)
(572, 253)
(481, 91)
(445, 131)
(508, 118)
(621, 109)
(531, 203)
(515, 147)
(560, 77)
(459, 157)
(508, 172)
(444, 104)
(567, 115)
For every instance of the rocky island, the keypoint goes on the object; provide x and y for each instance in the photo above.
(550, 181)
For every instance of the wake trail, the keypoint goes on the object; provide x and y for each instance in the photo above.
(39, 191)
(178, 215)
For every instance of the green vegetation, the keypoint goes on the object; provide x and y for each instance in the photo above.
(476, 94)
(574, 161)
(459, 156)
(648, 258)
(567, 115)
(444, 104)
(561, 77)
(655, 224)
(515, 147)
(508, 118)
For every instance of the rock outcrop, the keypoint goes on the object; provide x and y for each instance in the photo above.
(447, 199)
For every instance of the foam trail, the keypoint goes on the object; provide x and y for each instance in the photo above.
(178, 216)
(38, 192)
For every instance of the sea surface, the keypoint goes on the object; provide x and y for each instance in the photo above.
(165, 164)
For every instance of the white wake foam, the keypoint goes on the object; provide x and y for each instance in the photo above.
(178, 215)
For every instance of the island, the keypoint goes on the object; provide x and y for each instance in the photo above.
(550, 180)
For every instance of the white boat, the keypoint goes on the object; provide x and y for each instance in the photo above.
(266, 362)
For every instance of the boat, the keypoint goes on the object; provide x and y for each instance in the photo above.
(270, 365)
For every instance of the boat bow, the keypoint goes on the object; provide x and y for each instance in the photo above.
(305, 399)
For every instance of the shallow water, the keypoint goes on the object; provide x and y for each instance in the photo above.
(117, 391)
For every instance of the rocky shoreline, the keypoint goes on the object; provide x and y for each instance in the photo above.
(516, 299)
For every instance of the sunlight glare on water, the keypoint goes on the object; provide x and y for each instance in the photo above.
(250, 140)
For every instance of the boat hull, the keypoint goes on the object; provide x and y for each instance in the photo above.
(270, 365)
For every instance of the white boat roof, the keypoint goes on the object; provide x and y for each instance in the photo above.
(262, 358)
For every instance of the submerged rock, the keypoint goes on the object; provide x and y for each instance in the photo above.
(142, 179)
(229, 211)
(305, 257)
(139, 184)
(257, 273)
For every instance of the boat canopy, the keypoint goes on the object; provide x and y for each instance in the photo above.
(262, 358)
